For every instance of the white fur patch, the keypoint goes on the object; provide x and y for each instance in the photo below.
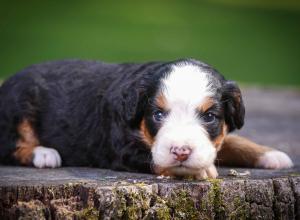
(46, 157)
(274, 160)
(184, 89)
(210, 172)
(186, 85)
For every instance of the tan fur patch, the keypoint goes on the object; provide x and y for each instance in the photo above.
(26, 143)
(145, 134)
(208, 103)
(220, 139)
(162, 171)
(239, 151)
(161, 101)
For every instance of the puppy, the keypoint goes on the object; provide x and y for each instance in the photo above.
(168, 118)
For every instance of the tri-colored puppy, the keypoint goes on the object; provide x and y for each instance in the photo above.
(170, 118)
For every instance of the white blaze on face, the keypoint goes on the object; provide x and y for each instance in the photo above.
(184, 89)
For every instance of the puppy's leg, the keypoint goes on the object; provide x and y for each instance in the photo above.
(29, 152)
(210, 172)
(239, 151)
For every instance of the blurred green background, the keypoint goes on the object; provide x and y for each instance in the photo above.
(251, 41)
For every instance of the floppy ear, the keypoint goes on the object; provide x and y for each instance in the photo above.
(134, 106)
(234, 109)
(129, 95)
(124, 103)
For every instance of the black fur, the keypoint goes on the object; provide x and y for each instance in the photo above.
(233, 105)
(91, 111)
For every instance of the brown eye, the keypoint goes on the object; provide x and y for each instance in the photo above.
(209, 117)
(158, 116)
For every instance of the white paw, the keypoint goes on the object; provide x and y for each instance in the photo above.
(274, 160)
(210, 172)
(46, 157)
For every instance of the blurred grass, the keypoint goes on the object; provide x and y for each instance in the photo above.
(248, 41)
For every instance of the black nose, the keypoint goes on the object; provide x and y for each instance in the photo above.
(181, 153)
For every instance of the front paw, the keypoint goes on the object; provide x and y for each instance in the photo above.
(209, 172)
(274, 160)
(46, 157)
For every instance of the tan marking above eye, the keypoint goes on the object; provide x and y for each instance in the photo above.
(161, 101)
(26, 143)
(207, 104)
